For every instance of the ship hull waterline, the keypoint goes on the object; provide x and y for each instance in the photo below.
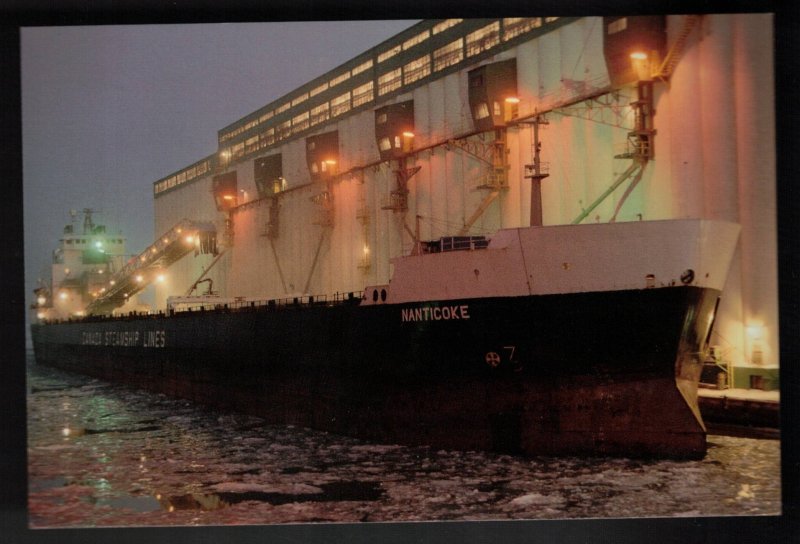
(603, 373)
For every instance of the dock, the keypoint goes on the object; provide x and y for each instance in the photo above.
(741, 412)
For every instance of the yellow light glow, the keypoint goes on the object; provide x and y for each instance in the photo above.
(639, 55)
(62, 295)
(139, 279)
(65, 431)
(103, 290)
(112, 282)
(160, 278)
(755, 332)
(40, 315)
(41, 300)
(189, 239)
(408, 134)
(227, 197)
(330, 161)
(512, 100)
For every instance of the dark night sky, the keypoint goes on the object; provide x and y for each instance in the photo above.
(108, 110)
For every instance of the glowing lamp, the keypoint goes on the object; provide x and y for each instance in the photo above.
(227, 197)
(160, 278)
(638, 55)
(755, 332)
(512, 100)
(139, 278)
(62, 295)
(41, 300)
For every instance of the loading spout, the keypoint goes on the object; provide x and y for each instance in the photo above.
(185, 237)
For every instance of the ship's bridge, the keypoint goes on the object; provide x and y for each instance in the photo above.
(145, 268)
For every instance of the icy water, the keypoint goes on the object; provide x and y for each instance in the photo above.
(103, 455)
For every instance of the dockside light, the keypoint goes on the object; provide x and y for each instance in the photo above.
(489, 86)
(322, 155)
(394, 130)
(224, 189)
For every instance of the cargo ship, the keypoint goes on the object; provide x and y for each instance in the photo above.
(572, 339)
(387, 252)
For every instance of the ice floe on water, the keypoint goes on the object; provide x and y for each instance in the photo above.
(103, 455)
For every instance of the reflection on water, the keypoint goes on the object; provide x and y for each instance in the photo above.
(102, 455)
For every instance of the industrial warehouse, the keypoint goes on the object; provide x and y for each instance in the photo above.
(526, 229)
(464, 127)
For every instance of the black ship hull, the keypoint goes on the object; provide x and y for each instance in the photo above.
(601, 373)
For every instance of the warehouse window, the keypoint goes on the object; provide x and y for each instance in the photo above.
(320, 114)
(268, 137)
(481, 111)
(390, 81)
(316, 90)
(618, 26)
(483, 39)
(340, 78)
(300, 122)
(444, 25)
(419, 38)
(362, 94)
(514, 26)
(283, 130)
(340, 104)
(417, 69)
(300, 99)
(361, 67)
(448, 55)
(389, 54)
(283, 108)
